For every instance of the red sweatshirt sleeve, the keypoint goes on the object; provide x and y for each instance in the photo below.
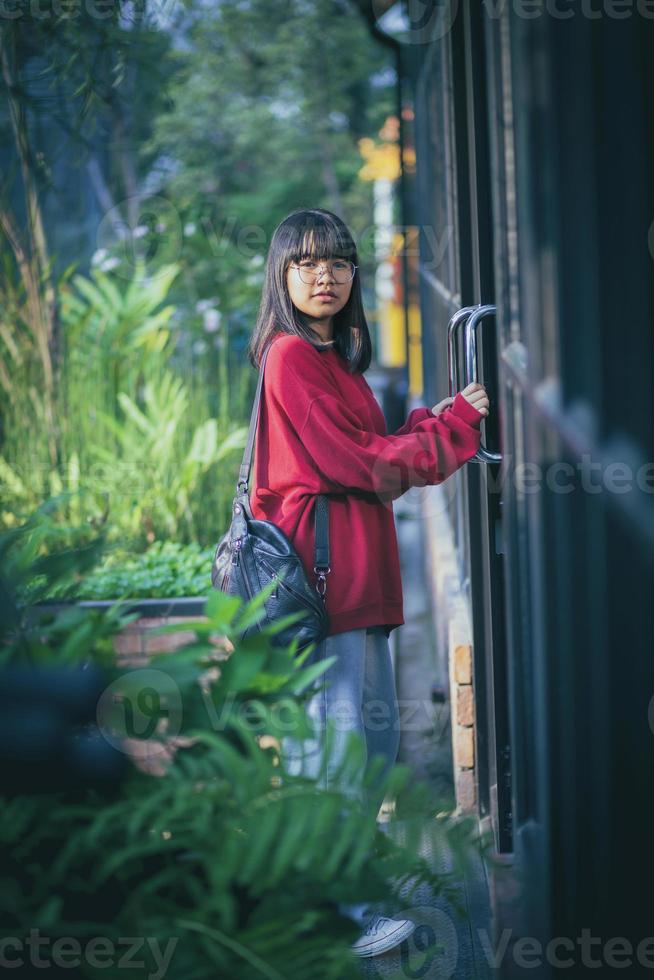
(417, 415)
(347, 457)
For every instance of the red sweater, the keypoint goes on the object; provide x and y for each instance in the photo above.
(321, 430)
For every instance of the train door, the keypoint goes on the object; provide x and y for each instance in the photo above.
(521, 350)
(475, 339)
(503, 510)
(457, 272)
(525, 127)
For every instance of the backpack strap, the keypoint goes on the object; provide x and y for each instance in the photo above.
(321, 508)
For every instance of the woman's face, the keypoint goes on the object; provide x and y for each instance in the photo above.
(321, 299)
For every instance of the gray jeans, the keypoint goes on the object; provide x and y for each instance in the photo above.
(356, 694)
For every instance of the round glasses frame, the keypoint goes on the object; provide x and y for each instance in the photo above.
(313, 274)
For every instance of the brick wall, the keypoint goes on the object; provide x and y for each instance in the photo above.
(453, 639)
(463, 728)
(136, 642)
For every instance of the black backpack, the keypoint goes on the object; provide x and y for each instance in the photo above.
(251, 553)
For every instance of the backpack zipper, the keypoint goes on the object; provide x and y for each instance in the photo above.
(278, 581)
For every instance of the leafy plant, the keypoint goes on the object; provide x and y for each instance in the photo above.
(111, 333)
(150, 476)
(232, 865)
(166, 570)
(134, 438)
(38, 558)
(107, 338)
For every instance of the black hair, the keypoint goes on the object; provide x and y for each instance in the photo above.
(317, 234)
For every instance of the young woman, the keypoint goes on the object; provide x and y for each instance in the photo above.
(321, 431)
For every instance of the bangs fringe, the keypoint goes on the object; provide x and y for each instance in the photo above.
(316, 237)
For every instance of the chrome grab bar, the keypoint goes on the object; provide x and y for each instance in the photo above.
(452, 366)
(470, 317)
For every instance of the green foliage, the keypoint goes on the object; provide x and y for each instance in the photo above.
(219, 850)
(38, 558)
(166, 570)
(153, 486)
(166, 310)
(298, 86)
(119, 328)
(138, 442)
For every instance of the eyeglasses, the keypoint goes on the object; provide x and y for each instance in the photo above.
(342, 271)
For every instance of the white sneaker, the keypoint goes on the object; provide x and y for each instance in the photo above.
(382, 934)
